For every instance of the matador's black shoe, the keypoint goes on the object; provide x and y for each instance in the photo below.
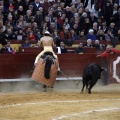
(58, 72)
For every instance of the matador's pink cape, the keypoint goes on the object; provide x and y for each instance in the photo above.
(38, 73)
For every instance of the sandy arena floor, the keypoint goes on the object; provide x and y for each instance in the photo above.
(102, 104)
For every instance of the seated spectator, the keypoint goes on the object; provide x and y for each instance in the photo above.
(66, 23)
(38, 35)
(26, 43)
(79, 49)
(62, 48)
(56, 37)
(21, 35)
(104, 27)
(118, 35)
(100, 35)
(91, 35)
(31, 36)
(86, 25)
(88, 43)
(82, 36)
(112, 28)
(10, 50)
(97, 45)
(95, 27)
(109, 36)
(4, 49)
(73, 35)
(9, 35)
(65, 35)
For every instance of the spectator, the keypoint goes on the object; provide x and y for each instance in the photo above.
(62, 48)
(56, 37)
(27, 15)
(26, 4)
(36, 5)
(112, 28)
(97, 45)
(88, 43)
(86, 25)
(79, 49)
(115, 8)
(93, 18)
(74, 19)
(107, 12)
(20, 11)
(58, 12)
(73, 35)
(66, 23)
(61, 20)
(109, 36)
(34, 27)
(26, 43)
(65, 35)
(68, 13)
(21, 35)
(30, 7)
(1, 34)
(10, 20)
(116, 18)
(95, 27)
(38, 35)
(4, 49)
(73, 9)
(118, 35)
(100, 35)
(31, 36)
(46, 5)
(82, 36)
(17, 4)
(91, 35)
(82, 20)
(9, 35)
(75, 28)
(39, 18)
(50, 15)
(52, 27)
(10, 50)
(104, 27)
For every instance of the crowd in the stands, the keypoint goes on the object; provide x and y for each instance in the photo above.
(66, 20)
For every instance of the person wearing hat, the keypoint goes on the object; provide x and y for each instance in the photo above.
(47, 43)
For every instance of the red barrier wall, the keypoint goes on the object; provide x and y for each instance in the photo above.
(20, 65)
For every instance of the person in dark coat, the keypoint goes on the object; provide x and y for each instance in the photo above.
(62, 47)
(79, 49)
(36, 4)
(4, 49)
(107, 12)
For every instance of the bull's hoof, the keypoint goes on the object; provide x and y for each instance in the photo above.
(44, 90)
(89, 92)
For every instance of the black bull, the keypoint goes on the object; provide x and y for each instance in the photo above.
(91, 74)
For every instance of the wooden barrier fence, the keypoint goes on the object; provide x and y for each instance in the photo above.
(20, 65)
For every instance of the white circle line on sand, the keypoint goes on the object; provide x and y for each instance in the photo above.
(69, 101)
(86, 112)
